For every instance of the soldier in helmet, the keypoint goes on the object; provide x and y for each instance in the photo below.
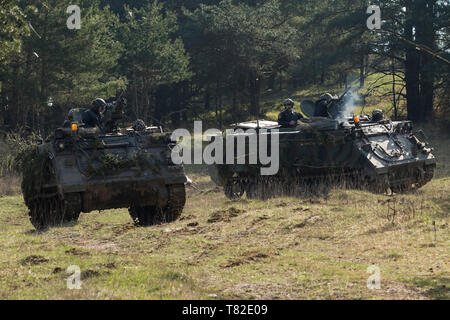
(289, 118)
(377, 115)
(139, 125)
(92, 117)
(323, 104)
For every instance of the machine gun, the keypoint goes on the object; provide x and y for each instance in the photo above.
(338, 106)
(335, 108)
(113, 114)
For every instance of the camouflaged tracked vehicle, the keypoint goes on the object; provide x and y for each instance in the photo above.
(86, 169)
(358, 152)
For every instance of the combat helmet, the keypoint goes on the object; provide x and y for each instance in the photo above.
(377, 115)
(288, 102)
(139, 125)
(99, 103)
(327, 96)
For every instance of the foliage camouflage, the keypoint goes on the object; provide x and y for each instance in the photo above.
(25, 160)
(112, 164)
(86, 170)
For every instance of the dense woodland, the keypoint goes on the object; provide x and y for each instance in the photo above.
(214, 60)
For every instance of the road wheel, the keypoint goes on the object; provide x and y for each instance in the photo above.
(50, 212)
(153, 215)
(252, 190)
(234, 190)
(259, 189)
(402, 188)
(36, 217)
(143, 216)
(177, 200)
(429, 173)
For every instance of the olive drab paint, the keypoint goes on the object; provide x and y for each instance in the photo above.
(374, 155)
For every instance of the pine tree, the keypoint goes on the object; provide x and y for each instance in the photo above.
(68, 67)
(152, 58)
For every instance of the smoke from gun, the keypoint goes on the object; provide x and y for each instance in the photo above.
(348, 103)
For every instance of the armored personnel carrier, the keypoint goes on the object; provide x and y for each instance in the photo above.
(85, 169)
(364, 152)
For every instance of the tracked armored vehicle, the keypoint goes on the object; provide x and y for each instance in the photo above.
(353, 151)
(85, 169)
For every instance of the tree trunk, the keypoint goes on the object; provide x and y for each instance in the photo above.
(362, 74)
(426, 36)
(255, 89)
(412, 67)
(207, 98)
(135, 95)
(218, 93)
(394, 100)
(271, 83)
(234, 111)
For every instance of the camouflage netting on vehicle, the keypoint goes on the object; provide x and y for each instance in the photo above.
(320, 136)
(114, 164)
(25, 159)
(35, 172)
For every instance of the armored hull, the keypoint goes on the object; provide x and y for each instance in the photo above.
(84, 170)
(360, 153)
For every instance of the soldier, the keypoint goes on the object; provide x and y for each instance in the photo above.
(377, 115)
(323, 104)
(92, 117)
(139, 125)
(288, 118)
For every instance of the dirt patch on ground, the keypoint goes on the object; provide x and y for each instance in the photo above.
(100, 245)
(77, 252)
(188, 217)
(122, 229)
(225, 215)
(110, 265)
(259, 219)
(301, 209)
(89, 274)
(308, 221)
(249, 257)
(400, 291)
(192, 228)
(204, 254)
(33, 260)
(57, 270)
(97, 226)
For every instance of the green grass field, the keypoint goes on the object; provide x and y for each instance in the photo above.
(284, 248)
